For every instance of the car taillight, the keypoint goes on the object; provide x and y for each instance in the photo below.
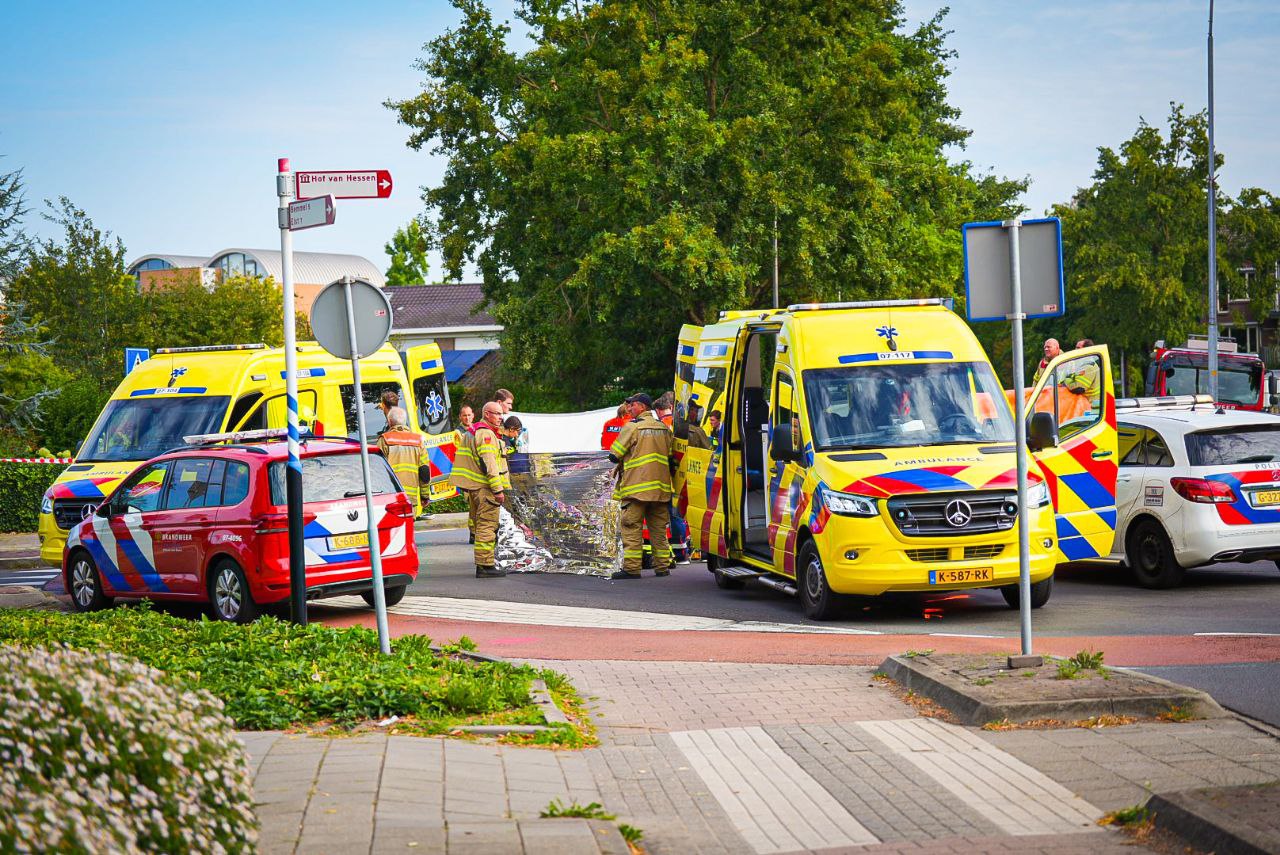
(1203, 491)
(402, 509)
(279, 523)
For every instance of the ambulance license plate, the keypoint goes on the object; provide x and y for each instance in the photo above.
(960, 577)
(1266, 497)
(349, 541)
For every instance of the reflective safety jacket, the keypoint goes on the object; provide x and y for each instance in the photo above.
(479, 461)
(644, 450)
(405, 451)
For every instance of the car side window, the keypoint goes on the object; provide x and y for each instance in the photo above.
(142, 492)
(1156, 450)
(235, 486)
(1129, 439)
(192, 484)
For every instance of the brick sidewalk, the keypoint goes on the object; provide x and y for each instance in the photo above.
(726, 758)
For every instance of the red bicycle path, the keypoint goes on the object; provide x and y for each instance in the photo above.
(530, 641)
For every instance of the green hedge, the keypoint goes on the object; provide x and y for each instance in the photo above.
(22, 486)
(455, 505)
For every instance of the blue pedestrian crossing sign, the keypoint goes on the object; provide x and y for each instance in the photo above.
(134, 355)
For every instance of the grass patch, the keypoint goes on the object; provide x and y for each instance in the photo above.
(1176, 713)
(273, 675)
(1068, 670)
(631, 834)
(982, 681)
(454, 505)
(595, 810)
(1129, 817)
(916, 654)
(1088, 660)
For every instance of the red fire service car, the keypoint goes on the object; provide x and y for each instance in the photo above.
(1185, 371)
(207, 523)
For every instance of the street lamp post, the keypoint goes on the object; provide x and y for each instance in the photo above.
(1213, 234)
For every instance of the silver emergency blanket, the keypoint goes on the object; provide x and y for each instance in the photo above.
(559, 516)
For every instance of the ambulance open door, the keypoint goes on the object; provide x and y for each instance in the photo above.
(430, 413)
(1076, 390)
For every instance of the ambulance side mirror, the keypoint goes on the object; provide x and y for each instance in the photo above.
(782, 446)
(1042, 432)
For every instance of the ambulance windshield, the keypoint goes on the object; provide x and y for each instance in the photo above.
(141, 428)
(906, 404)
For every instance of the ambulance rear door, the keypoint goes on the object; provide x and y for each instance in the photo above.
(686, 362)
(1080, 470)
(430, 412)
(710, 462)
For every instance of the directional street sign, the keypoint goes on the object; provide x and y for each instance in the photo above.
(344, 184)
(310, 213)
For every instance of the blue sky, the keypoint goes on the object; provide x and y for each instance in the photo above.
(164, 121)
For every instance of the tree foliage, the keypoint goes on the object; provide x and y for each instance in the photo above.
(624, 175)
(13, 241)
(236, 310)
(408, 252)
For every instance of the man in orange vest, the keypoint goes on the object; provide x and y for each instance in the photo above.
(613, 427)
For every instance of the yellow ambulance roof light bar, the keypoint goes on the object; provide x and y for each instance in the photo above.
(210, 348)
(948, 302)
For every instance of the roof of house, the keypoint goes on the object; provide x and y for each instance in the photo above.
(438, 306)
(171, 258)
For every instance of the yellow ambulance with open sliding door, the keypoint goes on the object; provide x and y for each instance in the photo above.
(185, 391)
(861, 448)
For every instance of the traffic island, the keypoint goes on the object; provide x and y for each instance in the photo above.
(1244, 820)
(26, 597)
(981, 689)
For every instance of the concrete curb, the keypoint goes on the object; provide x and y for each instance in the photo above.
(1206, 827)
(961, 698)
(21, 562)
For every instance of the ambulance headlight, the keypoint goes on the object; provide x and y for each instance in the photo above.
(46, 504)
(849, 505)
(1038, 495)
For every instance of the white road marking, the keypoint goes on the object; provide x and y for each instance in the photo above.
(962, 635)
(493, 611)
(771, 800)
(1237, 634)
(1008, 792)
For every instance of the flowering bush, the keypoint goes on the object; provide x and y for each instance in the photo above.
(100, 753)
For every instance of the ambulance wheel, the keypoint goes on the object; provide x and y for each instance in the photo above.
(229, 594)
(1150, 557)
(1040, 592)
(86, 584)
(390, 596)
(816, 597)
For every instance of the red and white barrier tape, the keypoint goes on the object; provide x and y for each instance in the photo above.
(37, 459)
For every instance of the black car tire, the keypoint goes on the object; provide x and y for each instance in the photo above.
(1150, 557)
(816, 597)
(390, 596)
(1040, 592)
(85, 584)
(229, 597)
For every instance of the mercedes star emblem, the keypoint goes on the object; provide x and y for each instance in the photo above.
(958, 513)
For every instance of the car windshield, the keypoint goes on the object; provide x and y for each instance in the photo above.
(903, 405)
(141, 428)
(1239, 380)
(327, 477)
(1233, 446)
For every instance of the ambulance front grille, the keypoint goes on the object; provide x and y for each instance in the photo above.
(67, 513)
(926, 515)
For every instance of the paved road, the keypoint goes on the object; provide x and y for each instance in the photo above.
(1234, 598)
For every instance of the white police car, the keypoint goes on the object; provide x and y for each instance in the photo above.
(1197, 485)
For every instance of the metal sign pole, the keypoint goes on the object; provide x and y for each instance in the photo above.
(293, 472)
(1020, 426)
(375, 548)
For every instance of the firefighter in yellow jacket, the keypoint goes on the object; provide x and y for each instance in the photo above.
(405, 451)
(480, 471)
(643, 451)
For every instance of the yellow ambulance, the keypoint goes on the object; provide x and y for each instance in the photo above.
(199, 390)
(862, 448)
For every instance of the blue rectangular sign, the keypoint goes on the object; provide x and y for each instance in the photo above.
(134, 355)
(988, 291)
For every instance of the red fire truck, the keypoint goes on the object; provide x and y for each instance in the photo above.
(1242, 377)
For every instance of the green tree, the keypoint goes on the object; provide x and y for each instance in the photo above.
(408, 252)
(236, 310)
(76, 288)
(1251, 231)
(13, 242)
(623, 176)
(1135, 242)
